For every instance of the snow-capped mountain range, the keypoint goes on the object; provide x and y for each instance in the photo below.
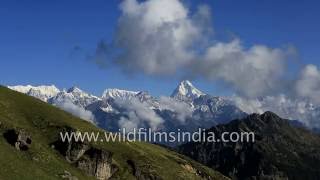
(74, 95)
(41, 92)
(118, 93)
(187, 108)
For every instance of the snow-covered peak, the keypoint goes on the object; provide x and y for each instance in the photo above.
(186, 90)
(22, 89)
(53, 90)
(79, 93)
(119, 93)
(76, 96)
(74, 89)
(42, 92)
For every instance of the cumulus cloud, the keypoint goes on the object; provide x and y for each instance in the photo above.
(156, 36)
(251, 72)
(301, 101)
(76, 110)
(292, 108)
(138, 115)
(182, 109)
(308, 84)
(164, 37)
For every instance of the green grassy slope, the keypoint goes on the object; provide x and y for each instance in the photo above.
(44, 122)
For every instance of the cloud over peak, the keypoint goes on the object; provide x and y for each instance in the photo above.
(166, 38)
(252, 72)
(308, 84)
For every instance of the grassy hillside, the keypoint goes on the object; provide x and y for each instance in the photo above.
(41, 161)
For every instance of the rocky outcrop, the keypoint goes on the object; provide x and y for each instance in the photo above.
(279, 150)
(91, 160)
(18, 138)
(143, 172)
(75, 150)
(67, 175)
(98, 163)
(191, 169)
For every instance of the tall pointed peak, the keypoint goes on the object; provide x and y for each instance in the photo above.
(74, 89)
(186, 90)
(186, 83)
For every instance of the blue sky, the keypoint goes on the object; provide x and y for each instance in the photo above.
(46, 42)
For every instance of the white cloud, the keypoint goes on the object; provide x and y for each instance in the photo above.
(301, 101)
(292, 108)
(76, 110)
(251, 72)
(164, 37)
(182, 109)
(156, 36)
(308, 84)
(138, 115)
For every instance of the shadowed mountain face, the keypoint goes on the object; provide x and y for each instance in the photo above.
(280, 150)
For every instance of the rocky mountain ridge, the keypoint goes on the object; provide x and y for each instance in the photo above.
(280, 150)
